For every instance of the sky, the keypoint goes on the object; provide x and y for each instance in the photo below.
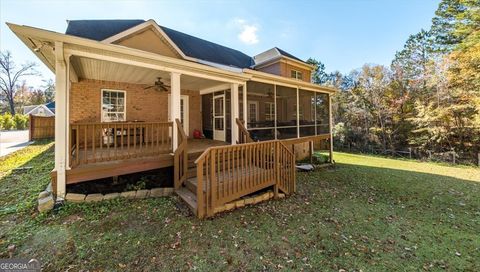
(343, 34)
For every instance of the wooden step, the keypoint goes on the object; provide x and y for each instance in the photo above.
(189, 198)
(191, 172)
(194, 156)
(191, 184)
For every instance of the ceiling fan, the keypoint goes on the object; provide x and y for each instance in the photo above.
(158, 85)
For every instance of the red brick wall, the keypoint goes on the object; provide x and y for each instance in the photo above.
(145, 105)
(285, 69)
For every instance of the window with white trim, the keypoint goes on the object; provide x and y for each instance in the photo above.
(113, 106)
(296, 74)
(269, 111)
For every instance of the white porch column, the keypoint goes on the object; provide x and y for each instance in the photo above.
(330, 122)
(245, 106)
(60, 119)
(298, 115)
(174, 105)
(234, 112)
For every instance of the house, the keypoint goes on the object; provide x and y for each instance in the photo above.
(131, 94)
(45, 110)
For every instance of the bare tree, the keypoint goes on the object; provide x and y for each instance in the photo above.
(10, 77)
(49, 90)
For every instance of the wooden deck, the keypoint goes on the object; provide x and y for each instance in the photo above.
(108, 162)
(105, 155)
(208, 174)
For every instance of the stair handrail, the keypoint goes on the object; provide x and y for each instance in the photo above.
(180, 157)
(210, 160)
(243, 134)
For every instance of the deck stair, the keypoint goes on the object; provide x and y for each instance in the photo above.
(224, 174)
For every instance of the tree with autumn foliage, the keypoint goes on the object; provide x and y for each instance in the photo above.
(428, 98)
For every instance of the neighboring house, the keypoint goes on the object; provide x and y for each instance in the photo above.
(131, 94)
(45, 110)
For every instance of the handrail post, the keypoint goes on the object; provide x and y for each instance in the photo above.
(244, 135)
(180, 158)
(176, 182)
(213, 182)
(201, 206)
(185, 160)
(277, 168)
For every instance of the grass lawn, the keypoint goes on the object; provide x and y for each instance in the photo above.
(369, 213)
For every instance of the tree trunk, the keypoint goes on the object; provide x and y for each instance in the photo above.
(11, 105)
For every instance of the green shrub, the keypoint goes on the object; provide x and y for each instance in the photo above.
(321, 157)
(8, 123)
(21, 121)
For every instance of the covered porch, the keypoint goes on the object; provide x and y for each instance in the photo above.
(117, 121)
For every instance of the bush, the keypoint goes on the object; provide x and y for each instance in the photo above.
(21, 121)
(7, 122)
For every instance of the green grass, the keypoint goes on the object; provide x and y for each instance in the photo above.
(368, 213)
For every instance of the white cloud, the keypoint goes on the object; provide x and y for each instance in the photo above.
(248, 32)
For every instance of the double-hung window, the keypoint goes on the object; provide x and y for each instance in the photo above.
(296, 74)
(113, 106)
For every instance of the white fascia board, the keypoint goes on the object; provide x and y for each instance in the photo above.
(221, 66)
(213, 89)
(46, 35)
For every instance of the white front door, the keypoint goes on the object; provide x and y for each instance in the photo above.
(219, 117)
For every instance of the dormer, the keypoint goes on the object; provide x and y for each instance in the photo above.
(278, 62)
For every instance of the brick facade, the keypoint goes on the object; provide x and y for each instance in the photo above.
(145, 105)
(284, 69)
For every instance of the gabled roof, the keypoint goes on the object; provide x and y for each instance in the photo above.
(286, 54)
(51, 106)
(190, 46)
(99, 29)
(27, 110)
(274, 54)
(209, 51)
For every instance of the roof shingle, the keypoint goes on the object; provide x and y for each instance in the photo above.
(191, 46)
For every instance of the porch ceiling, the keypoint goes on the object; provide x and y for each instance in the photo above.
(88, 68)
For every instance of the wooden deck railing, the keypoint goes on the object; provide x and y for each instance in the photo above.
(99, 142)
(180, 158)
(243, 134)
(227, 173)
(285, 169)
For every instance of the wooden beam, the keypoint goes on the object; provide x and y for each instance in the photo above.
(219, 87)
(117, 168)
(73, 77)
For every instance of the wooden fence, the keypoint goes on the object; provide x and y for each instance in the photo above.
(41, 127)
